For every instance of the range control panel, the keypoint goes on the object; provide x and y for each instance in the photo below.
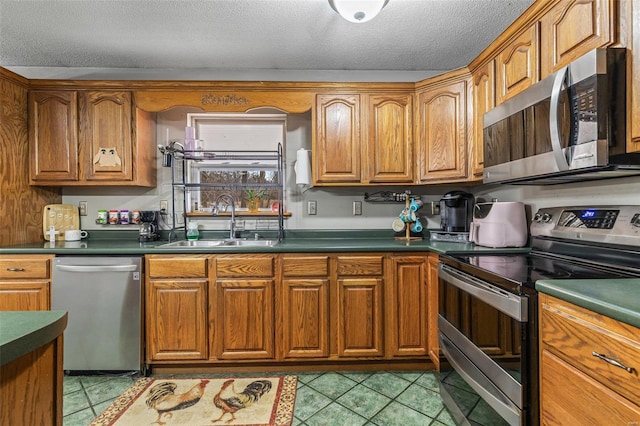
(607, 224)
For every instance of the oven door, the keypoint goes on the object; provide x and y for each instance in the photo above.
(482, 336)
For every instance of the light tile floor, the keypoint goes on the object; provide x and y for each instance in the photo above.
(402, 398)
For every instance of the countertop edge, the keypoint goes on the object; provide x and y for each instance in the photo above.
(611, 308)
(50, 325)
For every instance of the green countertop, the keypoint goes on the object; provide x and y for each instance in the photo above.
(126, 243)
(22, 332)
(615, 298)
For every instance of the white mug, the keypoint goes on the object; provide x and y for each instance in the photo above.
(74, 234)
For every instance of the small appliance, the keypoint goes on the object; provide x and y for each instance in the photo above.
(569, 127)
(456, 211)
(148, 226)
(499, 224)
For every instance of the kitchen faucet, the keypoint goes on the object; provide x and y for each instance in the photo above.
(230, 201)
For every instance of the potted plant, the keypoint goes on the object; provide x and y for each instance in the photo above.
(254, 198)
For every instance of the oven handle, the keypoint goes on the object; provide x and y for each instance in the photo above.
(504, 301)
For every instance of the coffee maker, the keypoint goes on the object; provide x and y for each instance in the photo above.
(456, 211)
(148, 226)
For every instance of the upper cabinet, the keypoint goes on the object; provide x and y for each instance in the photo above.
(572, 28)
(483, 92)
(517, 65)
(90, 138)
(442, 117)
(351, 127)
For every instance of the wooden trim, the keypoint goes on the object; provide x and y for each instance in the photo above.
(13, 77)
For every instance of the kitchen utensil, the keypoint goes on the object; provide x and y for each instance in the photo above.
(62, 217)
(75, 235)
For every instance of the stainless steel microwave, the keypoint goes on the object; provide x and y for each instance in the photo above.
(569, 127)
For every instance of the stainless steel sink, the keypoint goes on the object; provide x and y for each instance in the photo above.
(219, 243)
(194, 243)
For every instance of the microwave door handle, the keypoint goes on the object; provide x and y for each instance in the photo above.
(554, 122)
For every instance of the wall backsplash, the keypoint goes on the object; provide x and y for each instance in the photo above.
(334, 205)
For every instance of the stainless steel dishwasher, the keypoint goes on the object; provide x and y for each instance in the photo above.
(104, 301)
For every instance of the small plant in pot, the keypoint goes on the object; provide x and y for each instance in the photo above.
(254, 198)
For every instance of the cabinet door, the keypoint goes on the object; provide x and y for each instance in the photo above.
(337, 143)
(443, 133)
(105, 136)
(572, 28)
(407, 307)
(389, 129)
(432, 310)
(517, 65)
(176, 320)
(25, 296)
(304, 307)
(245, 306)
(483, 101)
(53, 135)
(360, 317)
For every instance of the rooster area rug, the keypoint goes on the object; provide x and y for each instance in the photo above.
(247, 401)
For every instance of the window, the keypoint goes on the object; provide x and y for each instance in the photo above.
(256, 137)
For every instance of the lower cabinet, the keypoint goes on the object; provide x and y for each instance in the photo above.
(288, 307)
(177, 308)
(25, 282)
(576, 385)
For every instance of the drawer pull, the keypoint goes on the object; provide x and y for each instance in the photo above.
(15, 269)
(613, 362)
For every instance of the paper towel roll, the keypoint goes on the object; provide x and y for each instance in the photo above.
(303, 167)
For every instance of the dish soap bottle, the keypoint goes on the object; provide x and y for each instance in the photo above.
(192, 231)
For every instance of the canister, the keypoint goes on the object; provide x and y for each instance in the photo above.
(113, 217)
(103, 217)
(124, 217)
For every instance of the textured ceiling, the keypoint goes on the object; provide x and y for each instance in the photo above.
(242, 39)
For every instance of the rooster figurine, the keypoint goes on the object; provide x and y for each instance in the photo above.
(163, 399)
(230, 401)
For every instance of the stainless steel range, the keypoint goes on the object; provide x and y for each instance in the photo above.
(488, 319)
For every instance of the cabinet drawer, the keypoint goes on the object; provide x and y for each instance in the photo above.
(360, 265)
(239, 266)
(25, 267)
(176, 267)
(575, 334)
(305, 266)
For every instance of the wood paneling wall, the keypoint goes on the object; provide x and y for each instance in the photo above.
(20, 204)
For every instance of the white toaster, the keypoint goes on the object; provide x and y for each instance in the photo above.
(499, 224)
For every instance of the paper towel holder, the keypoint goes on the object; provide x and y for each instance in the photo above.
(302, 168)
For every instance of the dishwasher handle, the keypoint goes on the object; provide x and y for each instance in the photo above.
(97, 268)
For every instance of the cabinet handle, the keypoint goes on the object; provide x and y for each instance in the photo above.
(613, 362)
(15, 269)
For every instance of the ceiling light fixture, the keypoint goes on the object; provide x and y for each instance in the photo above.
(358, 11)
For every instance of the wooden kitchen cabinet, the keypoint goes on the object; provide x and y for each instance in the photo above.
(359, 314)
(304, 322)
(25, 282)
(88, 138)
(244, 309)
(572, 28)
(377, 127)
(577, 387)
(442, 117)
(483, 101)
(517, 65)
(433, 344)
(177, 308)
(407, 330)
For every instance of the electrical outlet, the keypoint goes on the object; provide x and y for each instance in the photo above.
(164, 205)
(82, 205)
(357, 208)
(312, 207)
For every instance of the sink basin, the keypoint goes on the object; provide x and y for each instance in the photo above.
(194, 243)
(251, 243)
(219, 243)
